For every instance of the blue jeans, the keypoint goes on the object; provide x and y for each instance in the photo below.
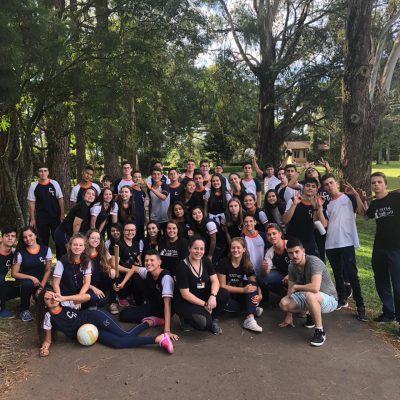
(242, 302)
(343, 260)
(273, 281)
(386, 267)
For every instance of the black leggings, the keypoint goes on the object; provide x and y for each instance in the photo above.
(136, 314)
(198, 316)
(111, 333)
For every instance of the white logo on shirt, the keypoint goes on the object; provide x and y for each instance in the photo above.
(71, 314)
(51, 190)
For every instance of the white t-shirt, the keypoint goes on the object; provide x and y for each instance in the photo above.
(96, 209)
(31, 192)
(256, 247)
(75, 190)
(49, 257)
(270, 182)
(123, 183)
(342, 229)
(59, 269)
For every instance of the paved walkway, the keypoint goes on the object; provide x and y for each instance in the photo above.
(278, 364)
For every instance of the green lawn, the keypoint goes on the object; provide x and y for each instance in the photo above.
(366, 230)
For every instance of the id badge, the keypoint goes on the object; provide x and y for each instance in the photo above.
(201, 285)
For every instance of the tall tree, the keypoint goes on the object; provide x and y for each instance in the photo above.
(279, 41)
(366, 84)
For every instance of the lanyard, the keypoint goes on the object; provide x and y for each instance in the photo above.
(195, 273)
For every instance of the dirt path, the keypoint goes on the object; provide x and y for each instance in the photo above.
(277, 364)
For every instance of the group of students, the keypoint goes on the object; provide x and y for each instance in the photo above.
(196, 245)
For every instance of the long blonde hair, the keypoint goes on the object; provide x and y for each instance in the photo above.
(246, 262)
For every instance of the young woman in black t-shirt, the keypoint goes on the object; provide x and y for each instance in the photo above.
(237, 188)
(189, 198)
(77, 220)
(52, 316)
(126, 205)
(207, 229)
(152, 240)
(104, 212)
(232, 223)
(179, 213)
(173, 248)
(250, 206)
(274, 208)
(236, 275)
(199, 300)
(130, 251)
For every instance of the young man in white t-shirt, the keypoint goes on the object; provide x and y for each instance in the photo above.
(342, 240)
(252, 185)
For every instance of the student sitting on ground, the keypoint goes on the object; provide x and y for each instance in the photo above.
(52, 316)
(158, 291)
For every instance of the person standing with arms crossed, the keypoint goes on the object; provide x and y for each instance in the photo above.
(46, 205)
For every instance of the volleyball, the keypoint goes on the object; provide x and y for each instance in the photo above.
(87, 334)
(249, 153)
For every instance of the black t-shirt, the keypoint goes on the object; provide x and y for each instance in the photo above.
(301, 226)
(6, 260)
(281, 262)
(176, 193)
(198, 198)
(386, 213)
(128, 255)
(236, 277)
(200, 286)
(80, 210)
(172, 253)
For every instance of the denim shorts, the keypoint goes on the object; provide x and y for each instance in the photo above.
(329, 303)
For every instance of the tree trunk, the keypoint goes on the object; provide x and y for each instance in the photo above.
(387, 153)
(80, 138)
(16, 176)
(268, 143)
(58, 139)
(111, 162)
(358, 137)
(380, 155)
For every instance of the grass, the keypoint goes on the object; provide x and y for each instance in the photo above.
(366, 231)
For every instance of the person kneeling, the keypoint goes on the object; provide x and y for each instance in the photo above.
(310, 289)
(158, 290)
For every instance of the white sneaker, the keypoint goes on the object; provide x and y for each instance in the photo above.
(251, 324)
(259, 311)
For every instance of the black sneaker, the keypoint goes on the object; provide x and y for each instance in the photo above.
(215, 328)
(384, 318)
(185, 326)
(342, 304)
(348, 290)
(319, 338)
(361, 316)
(309, 322)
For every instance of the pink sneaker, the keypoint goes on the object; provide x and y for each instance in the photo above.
(123, 302)
(156, 321)
(166, 343)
